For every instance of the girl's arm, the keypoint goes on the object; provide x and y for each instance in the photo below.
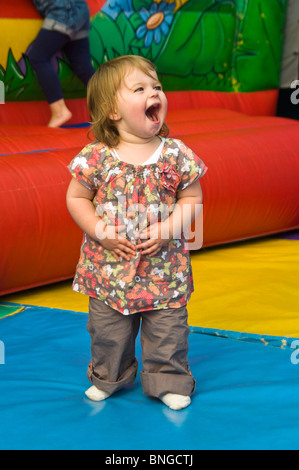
(79, 203)
(186, 209)
(80, 206)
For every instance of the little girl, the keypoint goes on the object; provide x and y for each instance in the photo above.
(129, 194)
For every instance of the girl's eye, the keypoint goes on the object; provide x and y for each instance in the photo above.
(158, 87)
(138, 89)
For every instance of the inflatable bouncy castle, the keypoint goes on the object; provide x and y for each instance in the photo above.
(219, 63)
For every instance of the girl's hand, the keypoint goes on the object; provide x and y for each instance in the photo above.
(112, 238)
(157, 235)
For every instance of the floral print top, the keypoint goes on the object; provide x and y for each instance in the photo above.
(136, 196)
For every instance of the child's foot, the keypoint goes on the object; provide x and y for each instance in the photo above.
(58, 120)
(176, 402)
(60, 114)
(94, 394)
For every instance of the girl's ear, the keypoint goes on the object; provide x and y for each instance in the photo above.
(110, 111)
(114, 116)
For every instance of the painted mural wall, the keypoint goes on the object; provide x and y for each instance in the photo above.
(219, 45)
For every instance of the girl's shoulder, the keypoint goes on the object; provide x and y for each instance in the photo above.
(176, 149)
(171, 141)
(175, 144)
(91, 156)
(95, 146)
(95, 152)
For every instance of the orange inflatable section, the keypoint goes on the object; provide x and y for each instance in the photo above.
(251, 188)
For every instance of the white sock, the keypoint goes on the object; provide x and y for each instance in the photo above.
(176, 402)
(94, 394)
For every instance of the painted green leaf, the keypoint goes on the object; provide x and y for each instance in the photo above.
(69, 82)
(258, 56)
(96, 45)
(184, 39)
(127, 30)
(110, 34)
(200, 46)
(2, 73)
(19, 86)
(138, 4)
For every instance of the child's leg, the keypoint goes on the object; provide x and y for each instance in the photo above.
(78, 54)
(164, 340)
(46, 44)
(113, 338)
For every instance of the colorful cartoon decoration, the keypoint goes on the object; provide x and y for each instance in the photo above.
(220, 45)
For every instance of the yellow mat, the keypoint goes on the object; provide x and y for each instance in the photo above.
(247, 287)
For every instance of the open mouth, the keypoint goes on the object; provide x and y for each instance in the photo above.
(153, 112)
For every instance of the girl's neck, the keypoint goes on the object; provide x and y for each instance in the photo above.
(137, 151)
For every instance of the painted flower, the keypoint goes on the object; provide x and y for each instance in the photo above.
(114, 7)
(156, 21)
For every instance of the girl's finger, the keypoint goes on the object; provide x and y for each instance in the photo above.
(115, 255)
(123, 254)
(125, 244)
(150, 250)
(144, 245)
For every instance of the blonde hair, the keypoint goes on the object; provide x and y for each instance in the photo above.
(102, 95)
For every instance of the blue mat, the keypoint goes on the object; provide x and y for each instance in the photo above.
(246, 395)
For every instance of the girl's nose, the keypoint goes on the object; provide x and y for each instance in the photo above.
(154, 93)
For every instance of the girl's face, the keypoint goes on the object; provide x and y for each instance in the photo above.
(141, 106)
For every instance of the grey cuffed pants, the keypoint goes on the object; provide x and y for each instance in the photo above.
(164, 341)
